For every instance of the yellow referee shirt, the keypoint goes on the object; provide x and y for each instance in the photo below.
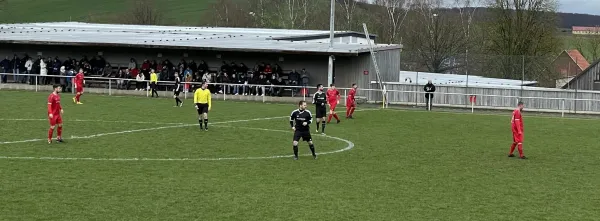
(202, 96)
(153, 77)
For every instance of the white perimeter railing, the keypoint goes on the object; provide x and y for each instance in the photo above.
(287, 93)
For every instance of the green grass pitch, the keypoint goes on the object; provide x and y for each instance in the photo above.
(405, 165)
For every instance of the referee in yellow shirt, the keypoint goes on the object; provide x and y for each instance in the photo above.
(153, 82)
(203, 104)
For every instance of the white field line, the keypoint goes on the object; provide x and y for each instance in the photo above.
(140, 130)
(101, 121)
(349, 146)
(175, 125)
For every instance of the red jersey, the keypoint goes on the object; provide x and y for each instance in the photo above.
(54, 104)
(352, 94)
(79, 79)
(333, 95)
(517, 121)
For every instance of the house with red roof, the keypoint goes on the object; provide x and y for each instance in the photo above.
(580, 30)
(569, 64)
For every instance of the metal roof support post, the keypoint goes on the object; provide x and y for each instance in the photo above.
(331, 37)
(330, 70)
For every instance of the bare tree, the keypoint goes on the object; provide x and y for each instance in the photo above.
(393, 16)
(593, 45)
(143, 12)
(348, 9)
(438, 40)
(3, 4)
(231, 13)
(467, 10)
(521, 31)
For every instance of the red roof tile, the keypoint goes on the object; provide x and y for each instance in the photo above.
(581, 28)
(578, 58)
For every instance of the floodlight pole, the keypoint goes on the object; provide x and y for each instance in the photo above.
(331, 38)
(331, 24)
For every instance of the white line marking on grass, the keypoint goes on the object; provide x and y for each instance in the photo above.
(349, 146)
(101, 121)
(140, 130)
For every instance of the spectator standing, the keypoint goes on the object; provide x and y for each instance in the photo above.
(237, 81)
(224, 67)
(193, 66)
(63, 79)
(14, 65)
(132, 64)
(203, 67)
(262, 80)
(242, 69)
(429, 90)
(268, 70)
(146, 69)
(294, 78)
(5, 64)
(56, 64)
(305, 77)
(28, 68)
(43, 71)
(154, 65)
(69, 79)
(107, 70)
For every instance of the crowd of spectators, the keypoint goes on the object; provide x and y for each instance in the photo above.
(47, 67)
(134, 73)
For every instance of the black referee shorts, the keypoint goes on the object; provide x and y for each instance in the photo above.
(321, 111)
(305, 135)
(202, 108)
(176, 93)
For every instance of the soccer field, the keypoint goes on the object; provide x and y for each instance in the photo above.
(137, 158)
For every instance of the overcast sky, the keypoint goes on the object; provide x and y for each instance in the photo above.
(580, 6)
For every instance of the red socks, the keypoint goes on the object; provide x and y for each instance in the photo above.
(332, 115)
(59, 132)
(352, 111)
(50, 132)
(512, 148)
(77, 97)
(348, 112)
(520, 150)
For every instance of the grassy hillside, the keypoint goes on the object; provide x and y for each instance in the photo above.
(185, 12)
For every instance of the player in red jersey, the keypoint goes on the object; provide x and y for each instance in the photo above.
(333, 98)
(517, 131)
(351, 102)
(79, 82)
(55, 112)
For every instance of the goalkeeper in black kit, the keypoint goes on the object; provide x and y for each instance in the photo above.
(300, 120)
